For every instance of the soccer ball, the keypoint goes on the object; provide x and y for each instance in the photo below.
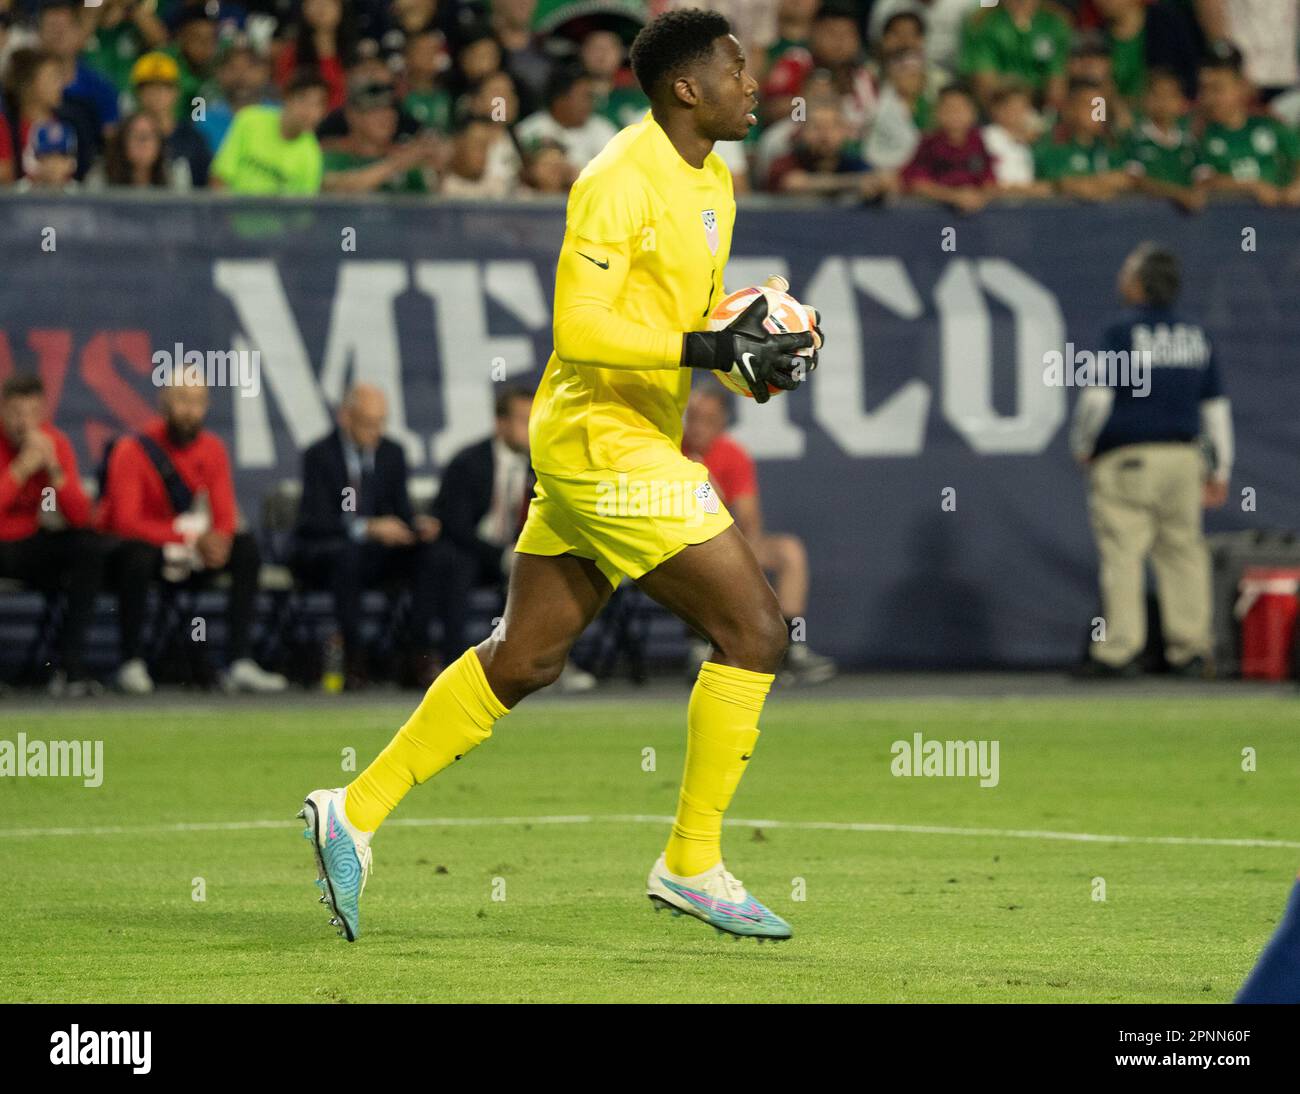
(785, 315)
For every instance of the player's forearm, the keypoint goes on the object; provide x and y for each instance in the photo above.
(590, 334)
(589, 327)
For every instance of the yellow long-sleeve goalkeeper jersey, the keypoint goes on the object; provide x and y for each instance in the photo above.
(646, 239)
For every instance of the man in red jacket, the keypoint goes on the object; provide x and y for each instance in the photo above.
(170, 498)
(731, 470)
(38, 477)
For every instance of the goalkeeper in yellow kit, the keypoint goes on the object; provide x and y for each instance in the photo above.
(648, 235)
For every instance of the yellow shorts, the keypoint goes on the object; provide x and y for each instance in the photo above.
(627, 522)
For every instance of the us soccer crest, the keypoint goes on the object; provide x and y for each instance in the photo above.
(710, 218)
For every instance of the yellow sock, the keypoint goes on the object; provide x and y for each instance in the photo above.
(722, 728)
(456, 713)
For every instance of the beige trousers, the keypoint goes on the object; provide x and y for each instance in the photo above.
(1144, 501)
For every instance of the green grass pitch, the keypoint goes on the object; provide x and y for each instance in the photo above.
(885, 915)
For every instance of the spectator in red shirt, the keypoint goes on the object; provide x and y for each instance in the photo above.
(170, 499)
(731, 470)
(38, 478)
(952, 165)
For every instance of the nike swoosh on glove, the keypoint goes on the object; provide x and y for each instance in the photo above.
(749, 348)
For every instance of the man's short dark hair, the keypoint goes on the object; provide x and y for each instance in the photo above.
(957, 87)
(1083, 83)
(562, 80)
(22, 385)
(1008, 89)
(901, 16)
(506, 396)
(672, 42)
(304, 79)
(1163, 72)
(835, 10)
(1159, 274)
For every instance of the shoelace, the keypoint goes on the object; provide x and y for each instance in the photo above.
(733, 889)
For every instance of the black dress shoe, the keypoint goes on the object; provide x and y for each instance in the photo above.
(1092, 669)
(1195, 669)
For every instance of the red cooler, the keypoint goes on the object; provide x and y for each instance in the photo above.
(1266, 608)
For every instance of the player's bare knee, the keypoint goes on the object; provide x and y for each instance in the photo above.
(759, 645)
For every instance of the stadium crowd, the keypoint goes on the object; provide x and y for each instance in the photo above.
(945, 100)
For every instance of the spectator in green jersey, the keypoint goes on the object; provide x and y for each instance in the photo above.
(369, 159)
(1243, 153)
(1077, 158)
(1160, 152)
(424, 96)
(1023, 39)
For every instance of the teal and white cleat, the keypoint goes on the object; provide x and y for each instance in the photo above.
(342, 858)
(717, 897)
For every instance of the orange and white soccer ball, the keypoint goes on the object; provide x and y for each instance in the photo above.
(785, 315)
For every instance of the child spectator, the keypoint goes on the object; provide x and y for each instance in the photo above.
(904, 112)
(1090, 61)
(1160, 152)
(952, 165)
(1243, 153)
(50, 158)
(273, 150)
(546, 170)
(1077, 158)
(570, 118)
(467, 174)
(1010, 137)
(496, 102)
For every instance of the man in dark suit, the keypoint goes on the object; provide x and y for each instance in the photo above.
(482, 504)
(356, 530)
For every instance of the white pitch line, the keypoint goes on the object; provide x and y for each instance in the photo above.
(647, 818)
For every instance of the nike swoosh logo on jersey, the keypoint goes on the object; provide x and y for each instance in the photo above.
(603, 265)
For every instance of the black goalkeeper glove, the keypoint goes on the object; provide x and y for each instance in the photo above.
(748, 347)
